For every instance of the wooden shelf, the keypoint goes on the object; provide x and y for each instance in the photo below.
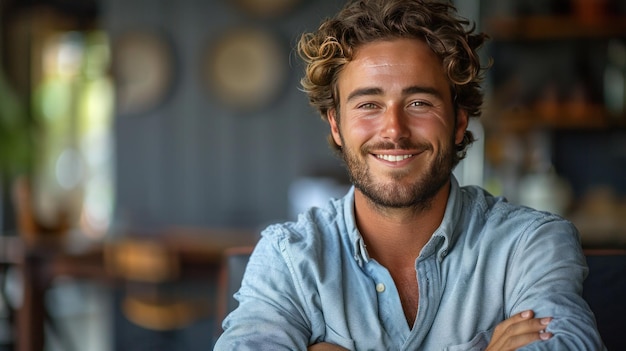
(554, 27)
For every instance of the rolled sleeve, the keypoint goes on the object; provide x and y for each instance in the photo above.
(546, 275)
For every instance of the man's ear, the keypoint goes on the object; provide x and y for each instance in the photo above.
(462, 121)
(331, 114)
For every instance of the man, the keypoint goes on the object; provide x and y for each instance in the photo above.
(408, 260)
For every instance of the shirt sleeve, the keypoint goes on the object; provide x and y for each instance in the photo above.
(546, 275)
(270, 315)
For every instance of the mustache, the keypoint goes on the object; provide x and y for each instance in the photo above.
(403, 144)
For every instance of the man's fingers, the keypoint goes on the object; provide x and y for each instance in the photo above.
(324, 346)
(517, 318)
(528, 330)
(517, 341)
(531, 325)
(519, 330)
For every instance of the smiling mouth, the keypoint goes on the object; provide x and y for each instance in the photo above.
(393, 158)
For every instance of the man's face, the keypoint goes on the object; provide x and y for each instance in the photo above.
(397, 124)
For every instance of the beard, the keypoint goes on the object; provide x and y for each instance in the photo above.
(420, 189)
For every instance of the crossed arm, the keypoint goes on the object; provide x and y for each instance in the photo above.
(513, 333)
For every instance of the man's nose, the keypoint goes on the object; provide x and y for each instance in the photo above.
(395, 124)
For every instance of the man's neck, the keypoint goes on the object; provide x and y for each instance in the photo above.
(397, 235)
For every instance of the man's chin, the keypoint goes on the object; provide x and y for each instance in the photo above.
(392, 196)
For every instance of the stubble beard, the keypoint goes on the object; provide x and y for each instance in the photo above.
(418, 193)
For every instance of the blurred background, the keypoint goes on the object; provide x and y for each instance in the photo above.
(147, 116)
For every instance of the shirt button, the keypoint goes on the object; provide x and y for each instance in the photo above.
(380, 287)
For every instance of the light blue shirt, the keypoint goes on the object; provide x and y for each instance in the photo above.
(312, 280)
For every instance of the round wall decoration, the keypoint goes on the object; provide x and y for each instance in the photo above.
(143, 69)
(266, 8)
(247, 68)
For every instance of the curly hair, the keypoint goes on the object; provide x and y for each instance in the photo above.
(327, 50)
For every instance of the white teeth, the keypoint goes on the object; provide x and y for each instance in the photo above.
(394, 158)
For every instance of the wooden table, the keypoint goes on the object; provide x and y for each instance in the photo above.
(200, 252)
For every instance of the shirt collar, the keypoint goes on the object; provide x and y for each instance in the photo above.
(447, 231)
(358, 244)
(441, 241)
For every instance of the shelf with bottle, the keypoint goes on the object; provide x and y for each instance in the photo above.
(559, 84)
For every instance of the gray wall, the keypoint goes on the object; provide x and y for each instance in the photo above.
(192, 161)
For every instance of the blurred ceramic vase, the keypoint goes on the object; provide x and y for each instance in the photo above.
(545, 191)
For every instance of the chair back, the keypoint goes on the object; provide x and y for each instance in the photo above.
(233, 269)
(150, 271)
(605, 292)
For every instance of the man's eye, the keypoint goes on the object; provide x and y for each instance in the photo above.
(367, 105)
(419, 104)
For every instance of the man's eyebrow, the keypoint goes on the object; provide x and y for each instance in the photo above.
(422, 90)
(364, 92)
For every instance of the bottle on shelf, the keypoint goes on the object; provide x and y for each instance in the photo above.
(615, 78)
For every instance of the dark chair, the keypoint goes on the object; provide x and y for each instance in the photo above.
(233, 268)
(153, 298)
(605, 292)
(156, 307)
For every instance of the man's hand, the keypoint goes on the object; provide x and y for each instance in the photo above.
(324, 346)
(518, 331)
